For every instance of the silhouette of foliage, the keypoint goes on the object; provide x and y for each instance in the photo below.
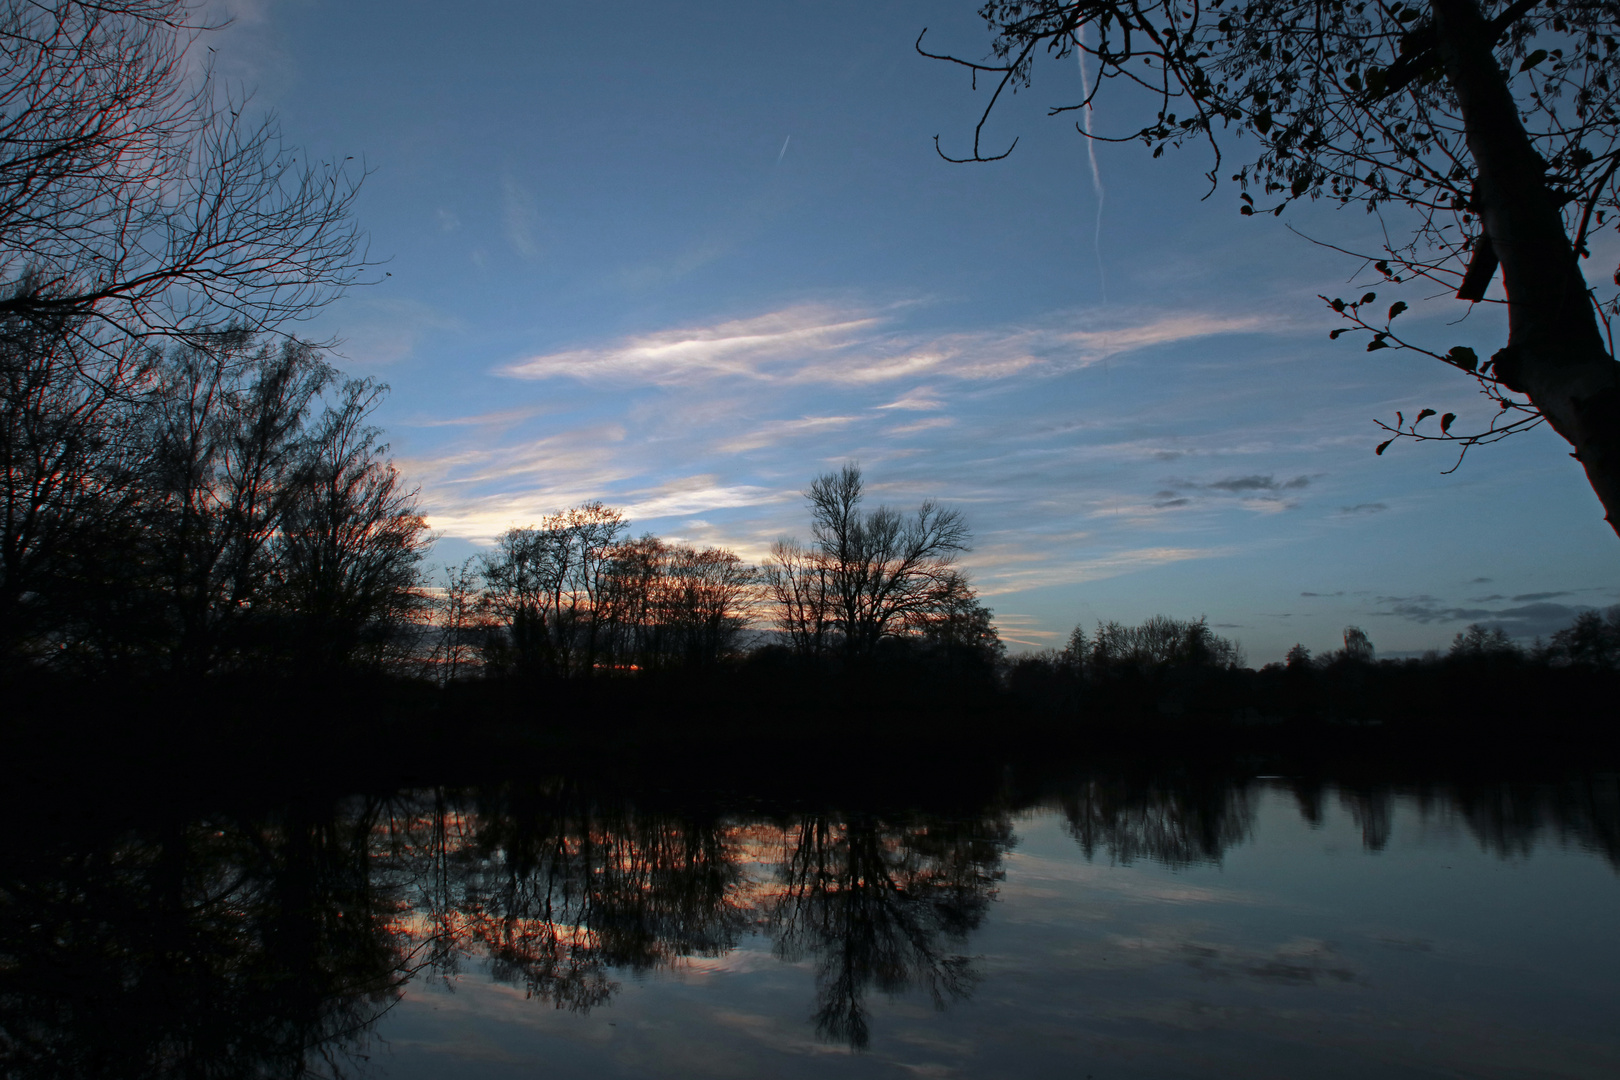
(1484, 133)
(872, 574)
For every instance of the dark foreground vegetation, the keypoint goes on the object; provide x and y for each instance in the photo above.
(206, 552)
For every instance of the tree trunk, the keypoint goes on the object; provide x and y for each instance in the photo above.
(1555, 354)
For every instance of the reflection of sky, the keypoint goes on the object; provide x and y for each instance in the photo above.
(681, 259)
(1301, 954)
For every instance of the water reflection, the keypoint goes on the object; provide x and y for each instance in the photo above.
(215, 947)
(268, 942)
(882, 904)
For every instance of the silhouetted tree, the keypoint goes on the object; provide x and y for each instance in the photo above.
(548, 586)
(1592, 640)
(458, 623)
(227, 438)
(1479, 642)
(135, 201)
(70, 455)
(1160, 642)
(348, 540)
(873, 574)
(1485, 132)
(151, 234)
(707, 597)
(800, 584)
(1357, 645)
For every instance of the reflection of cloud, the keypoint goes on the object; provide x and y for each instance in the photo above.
(822, 344)
(1294, 963)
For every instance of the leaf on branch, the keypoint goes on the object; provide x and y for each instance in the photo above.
(1333, 335)
(1396, 308)
(1375, 344)
(1422, 416)
(1533, 59)
(1464, 357)
(1445, 423)
(1338, 305)
(1382, 447)
(1369, 298)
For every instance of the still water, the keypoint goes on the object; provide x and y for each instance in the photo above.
(1097, 925)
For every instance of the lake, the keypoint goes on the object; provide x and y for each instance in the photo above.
(1085, 921)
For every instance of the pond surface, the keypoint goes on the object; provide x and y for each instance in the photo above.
(1099, 926)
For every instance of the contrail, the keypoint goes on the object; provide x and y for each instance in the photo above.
(1096, 173)
(783, 154)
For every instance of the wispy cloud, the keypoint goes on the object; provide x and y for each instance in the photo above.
(499, 418)
(917, 401)
(931, 424)
(831, 345)
(379, 331)
(1001, 576)
(521, 217)
(776, 432)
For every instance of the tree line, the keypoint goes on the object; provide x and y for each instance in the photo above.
(1180, 671)
(184, 484)
(576, 595)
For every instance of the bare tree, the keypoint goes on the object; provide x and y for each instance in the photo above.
(68, 457)
(142, 200)
(459, 623)
(227, 443)
(885, 573)
(707, 598)
(1485, 134)
(549, 585)
(348, 540)
(1160, 642)
(800, 586)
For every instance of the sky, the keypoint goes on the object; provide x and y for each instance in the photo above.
(682, 258)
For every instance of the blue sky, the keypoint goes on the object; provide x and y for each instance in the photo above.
(682, 257)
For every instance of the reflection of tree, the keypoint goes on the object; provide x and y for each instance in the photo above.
(1511, 819)
(266, 944)
(1176, 823)
(883, 904)
(216, 948)
(1372, 809)
(556, 889)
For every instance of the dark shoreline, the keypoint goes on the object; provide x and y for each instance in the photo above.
(910, 742)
